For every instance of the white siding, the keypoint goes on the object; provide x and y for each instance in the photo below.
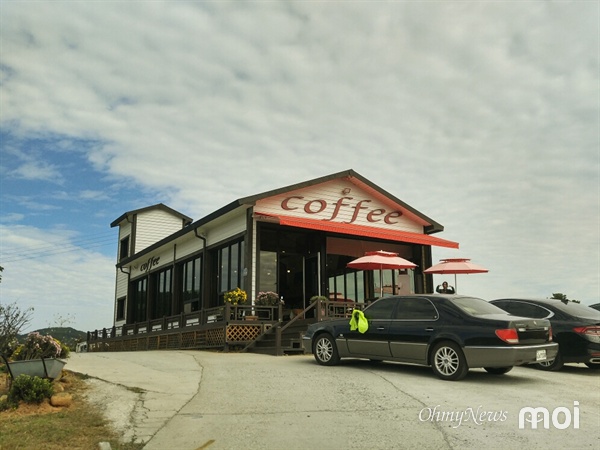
(214, 234)
(121, 288)
(120, 291)
(124, 229)
(191, 244)
(233, 226)
(154, 225)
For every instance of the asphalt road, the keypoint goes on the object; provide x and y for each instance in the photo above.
(187, 400)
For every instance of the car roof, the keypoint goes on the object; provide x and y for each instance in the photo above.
(568, 307)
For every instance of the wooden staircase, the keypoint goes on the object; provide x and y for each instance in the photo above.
(290, 339)
(286, 337)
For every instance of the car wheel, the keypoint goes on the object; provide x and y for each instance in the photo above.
(498, 370)
(593, 366)
(448, 361)
(325, 350)
(551, 364)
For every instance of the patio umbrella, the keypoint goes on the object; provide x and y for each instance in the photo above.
(455, 266)
(380, 260)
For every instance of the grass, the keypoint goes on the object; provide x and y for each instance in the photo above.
(43, 427)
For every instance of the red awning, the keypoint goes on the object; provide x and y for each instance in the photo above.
(361, 230)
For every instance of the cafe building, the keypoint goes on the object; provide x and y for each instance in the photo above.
(295, 241)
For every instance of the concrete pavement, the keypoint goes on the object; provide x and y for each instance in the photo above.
(140, 391)
(189, 400)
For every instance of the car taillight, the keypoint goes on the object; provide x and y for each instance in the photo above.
(508, 335)
(592, 333)
(550, 334)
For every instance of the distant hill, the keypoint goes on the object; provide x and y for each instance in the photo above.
(66, 335)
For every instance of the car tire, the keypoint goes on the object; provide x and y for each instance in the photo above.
(498, 370)
(593, 366)
(325, 351)
(551, 365)
(448, 361)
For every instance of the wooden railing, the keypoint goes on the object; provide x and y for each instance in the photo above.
(217, 327)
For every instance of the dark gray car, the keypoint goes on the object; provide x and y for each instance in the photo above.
(450, 333)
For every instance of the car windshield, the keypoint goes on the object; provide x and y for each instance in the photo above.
(476, 306)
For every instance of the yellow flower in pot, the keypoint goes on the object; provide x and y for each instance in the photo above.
(235, 296)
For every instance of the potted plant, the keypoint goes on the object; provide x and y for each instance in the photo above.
(37, 356)
(235, 296)
(268, 298)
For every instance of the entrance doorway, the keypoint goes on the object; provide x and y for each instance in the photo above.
(291, 280)
(290, 265)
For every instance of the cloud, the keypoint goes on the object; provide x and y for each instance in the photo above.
(37, 171)
(484, 116)
(58, 274)
(12, 217)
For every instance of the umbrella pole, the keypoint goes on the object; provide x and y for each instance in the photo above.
(455, 285)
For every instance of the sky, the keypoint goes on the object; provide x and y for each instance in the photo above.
(483, 116)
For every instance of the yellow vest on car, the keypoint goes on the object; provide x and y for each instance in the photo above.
(358, 321)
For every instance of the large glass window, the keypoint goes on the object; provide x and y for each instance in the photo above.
(224, 269)
(140, 297)
(162, 297)
(230, 267)
(345, 283)
(121, 308)
(268, 271)
(191, 282)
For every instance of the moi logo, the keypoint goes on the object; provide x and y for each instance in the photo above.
(561, 417)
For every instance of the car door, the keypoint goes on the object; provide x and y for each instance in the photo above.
(414, 322)
(374, 342)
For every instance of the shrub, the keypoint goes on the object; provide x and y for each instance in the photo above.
(37, 346)
(65, 351)
(29, 389)
(4, 405)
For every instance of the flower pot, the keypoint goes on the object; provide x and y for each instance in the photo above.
(43, 368)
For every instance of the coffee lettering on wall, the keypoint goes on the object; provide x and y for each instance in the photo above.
(315, 206)
(153, 261)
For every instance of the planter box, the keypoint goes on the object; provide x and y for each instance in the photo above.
(43, 368)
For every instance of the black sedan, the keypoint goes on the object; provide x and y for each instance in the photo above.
(450, 333)
(575, 327)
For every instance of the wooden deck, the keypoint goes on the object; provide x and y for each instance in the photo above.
(264, 329)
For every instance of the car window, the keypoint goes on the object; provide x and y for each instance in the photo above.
(381, 309)
(577, 310)
(476, 306)
(527, 310)
(415, 309)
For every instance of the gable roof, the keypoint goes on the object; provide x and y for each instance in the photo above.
(187, 220)
(431, 225)
(247, 202)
